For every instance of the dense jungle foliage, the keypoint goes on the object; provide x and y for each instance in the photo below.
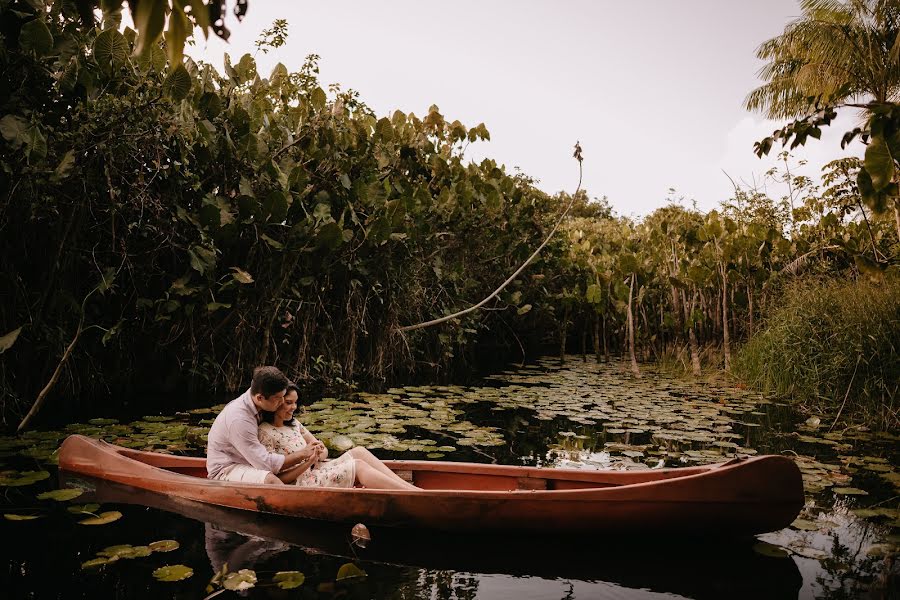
(164, 228)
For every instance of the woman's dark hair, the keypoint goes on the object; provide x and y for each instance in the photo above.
(268, 381)
(269, 416)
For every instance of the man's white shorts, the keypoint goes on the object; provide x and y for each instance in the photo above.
(243, 474)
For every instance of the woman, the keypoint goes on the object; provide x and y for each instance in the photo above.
(280, 432)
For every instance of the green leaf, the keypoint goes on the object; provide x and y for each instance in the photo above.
(203, 259)
(275, 206)
(523, 309)
(14, 130)
(879, 163)
(179, 30)
(246, 68)
(110, 50)
(22, 479)
(272, 242)
(770, 550)
(64, 167)
(15, 517)
(61, 495)
(7, 341)
(317, 98)
(849, 491)
(241, 276)
(96, 562)
(178, 83)
(164, 546)
(149, 19)
(240, 580)
(103, 518)
(173, 573)
(349, 571)
(288, 580)
(322, 211)
(384, 130)
(36, 37)
(330, 236)
(78, 509)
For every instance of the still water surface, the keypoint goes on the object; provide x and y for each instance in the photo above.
(582, 415)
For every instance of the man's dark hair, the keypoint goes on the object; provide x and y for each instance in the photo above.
(268, 381)
(268, 416)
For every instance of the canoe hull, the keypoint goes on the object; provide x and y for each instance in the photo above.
(740, 498)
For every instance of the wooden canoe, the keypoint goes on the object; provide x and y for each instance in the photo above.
(736, 498)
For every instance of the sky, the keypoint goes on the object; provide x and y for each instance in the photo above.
(652, 90)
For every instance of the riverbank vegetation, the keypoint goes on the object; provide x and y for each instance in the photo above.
(165, 227)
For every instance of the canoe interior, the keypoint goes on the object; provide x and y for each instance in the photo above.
(433, 475)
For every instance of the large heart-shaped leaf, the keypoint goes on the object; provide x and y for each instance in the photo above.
(36, 37)
(178, 83)
(110, 50)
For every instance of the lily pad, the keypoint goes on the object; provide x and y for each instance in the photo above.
(850, 491)
(805, 525)
(288, 580)
(95, 562)
(119, 551)
(240, 580)
(103, 518)
(164, 546)
(63, 495)
(771, 550)
(173, 573)
(83, 508)
(15, 517)
(349, 571)
(14, 479)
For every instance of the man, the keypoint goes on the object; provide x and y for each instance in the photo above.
(233, 451)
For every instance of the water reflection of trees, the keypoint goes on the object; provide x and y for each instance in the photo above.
(853, 571)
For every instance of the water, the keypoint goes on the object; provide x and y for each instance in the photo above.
(583, 415)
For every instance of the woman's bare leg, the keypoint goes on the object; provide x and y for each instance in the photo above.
(363, 455)
(370, 477)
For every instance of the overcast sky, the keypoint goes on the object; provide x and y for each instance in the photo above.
(653, 90)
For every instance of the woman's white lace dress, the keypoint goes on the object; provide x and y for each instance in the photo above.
(340, 472)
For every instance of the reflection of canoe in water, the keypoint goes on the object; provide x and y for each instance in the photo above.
(699, 569)
(740, 497)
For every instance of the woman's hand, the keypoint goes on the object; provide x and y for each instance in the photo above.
(323, 451)
(310, 453)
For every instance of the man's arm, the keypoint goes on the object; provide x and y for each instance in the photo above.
(245, 439)
(291, 474)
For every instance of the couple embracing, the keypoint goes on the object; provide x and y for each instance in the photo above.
(256, 439)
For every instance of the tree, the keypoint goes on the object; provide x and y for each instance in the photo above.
(835, 52)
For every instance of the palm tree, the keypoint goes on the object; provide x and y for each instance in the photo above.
(837, 51)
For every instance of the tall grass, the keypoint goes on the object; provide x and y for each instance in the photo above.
(831, 343)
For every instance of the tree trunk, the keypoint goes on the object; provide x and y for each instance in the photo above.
(897, 217)
(750, 308)
(584, 331)
(605, 345)
(726, 338)
(562, 336)
(596, 337)
(634, 366)
(692, 336)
